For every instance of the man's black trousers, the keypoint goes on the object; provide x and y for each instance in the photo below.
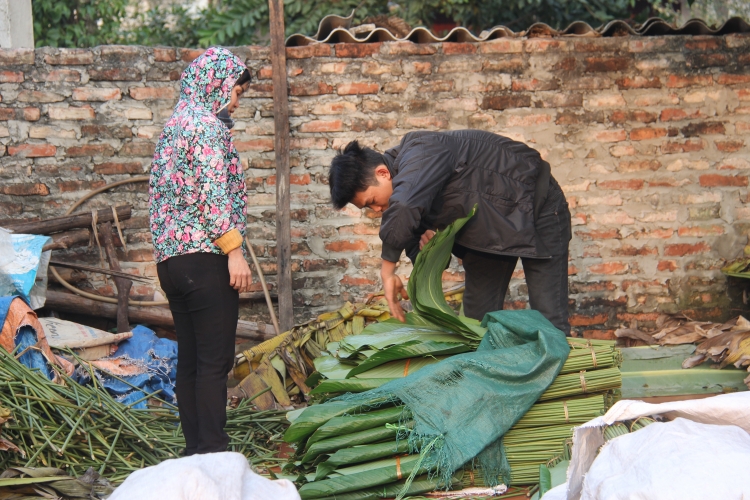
(488, 275)
(205, 309)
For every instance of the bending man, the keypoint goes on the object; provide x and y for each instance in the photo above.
(431, 179)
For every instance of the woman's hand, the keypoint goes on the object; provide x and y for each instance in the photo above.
(240, 276)
(394, 289)
(426, 237)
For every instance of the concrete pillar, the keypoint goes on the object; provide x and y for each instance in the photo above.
(16, 24)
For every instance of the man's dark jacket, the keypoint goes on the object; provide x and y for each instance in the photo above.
(439, 176)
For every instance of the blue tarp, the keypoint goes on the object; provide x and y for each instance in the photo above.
(159, 359)
(25, 337)
(19, 276)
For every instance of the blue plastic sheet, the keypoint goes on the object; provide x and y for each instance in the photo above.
(157, 357)
(19, 277)
(26, 336)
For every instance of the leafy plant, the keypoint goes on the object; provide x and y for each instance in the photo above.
(173, 26)
(77, 23)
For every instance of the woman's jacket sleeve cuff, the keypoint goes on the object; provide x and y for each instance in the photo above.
(229, 241)
(390, 253)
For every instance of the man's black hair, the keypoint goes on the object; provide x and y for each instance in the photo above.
(352, 171)
(244, 78)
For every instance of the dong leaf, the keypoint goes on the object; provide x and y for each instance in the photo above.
(347, 424)
(407, 350)
(349, 385)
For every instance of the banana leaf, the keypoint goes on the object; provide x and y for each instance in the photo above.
(349, 385)
(407, 350)
(389, 325)
(348, 424)
(347, 440)
(332, 367)
(421, 484)
(359, 454)
(425, 287)
(355, 478)
(307, 422)
(355, 344)
(400, 368)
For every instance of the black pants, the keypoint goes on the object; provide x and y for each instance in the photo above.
(205, 310)
(488, 275)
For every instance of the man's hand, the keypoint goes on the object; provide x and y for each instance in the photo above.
(240, 276)
(426, 237)
(394, 289)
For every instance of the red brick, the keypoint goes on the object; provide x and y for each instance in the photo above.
(533, 85)
(346, 246)
(395, 87)
(138, 148)
(588, 83)
(437, 86)
(9, 57)
(641, 134)
(691, 145)
(32, 150)
(68, 186)
(632, 116)
(39, 96)
(144, 93)
(743, 94)
(357, 88)
(406, 48)
(741, 127)
(164, 55)
(609, 268)
(666, 265)
(70, 57)
(668, 115)
(582, 320)
(114, 168)
(725, 79)
(71, 113)
(352, 281)
(700, 231)
(622, 184)
(703, 128)
(10, 209)
(28, 189)
(322, 126)
(63, 75)
(630, 251)
(639, 82)
(100, 131)
(527, 120)
(308, 51)
(678, 82)
(715, 180)
(605, 64)
(254, 145)
(11, 77)
(682, 249)
(501, 46)
(189, 55)
(119, 54)
(450, 48)
(432, 121)
(90, 150)
(729, 146)
(599, 334)
(717, 59)
(566, 64)
(544, 44)
(368, 125)
(599, 234)
(7, 114)
(668, 182)
(96, 94)
(560, 100)
(115, 74)
(506, 102)
(319, 143)
(610, 136)
(31, 114)
(356, 49)
(638, 165)
(310, 88)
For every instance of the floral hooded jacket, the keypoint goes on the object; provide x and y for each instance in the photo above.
(197, 188)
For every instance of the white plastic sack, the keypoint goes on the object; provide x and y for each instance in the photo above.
(213, 476)
(678, 460)
(61, 334)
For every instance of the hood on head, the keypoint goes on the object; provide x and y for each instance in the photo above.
(209, 79)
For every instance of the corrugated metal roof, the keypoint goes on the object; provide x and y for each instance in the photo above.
(337, 29)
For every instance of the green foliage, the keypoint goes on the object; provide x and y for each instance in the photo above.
(77, 23)
(172, 26)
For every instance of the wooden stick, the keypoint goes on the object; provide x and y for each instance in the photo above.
(281, 148)
(155, 316)
(123, 285)
(57, 224)
(61, 241)
(94, 269)
(263, 284)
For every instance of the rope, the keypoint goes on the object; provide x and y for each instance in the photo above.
(593, 355)
(119, 229)
(583, 380)
(406, 368)
(565, 409)
(398, 468)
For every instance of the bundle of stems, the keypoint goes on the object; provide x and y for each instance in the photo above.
(583, 382)
(570, 411)
(595, 357)
(74, 427)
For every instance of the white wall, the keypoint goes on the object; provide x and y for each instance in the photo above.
(16, 24)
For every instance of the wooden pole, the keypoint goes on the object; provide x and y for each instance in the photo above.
(66, 222)
(123, 285)
(281, 147)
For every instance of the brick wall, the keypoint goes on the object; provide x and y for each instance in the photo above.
(648, 136)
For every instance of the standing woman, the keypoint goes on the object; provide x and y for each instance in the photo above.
(197, 213)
